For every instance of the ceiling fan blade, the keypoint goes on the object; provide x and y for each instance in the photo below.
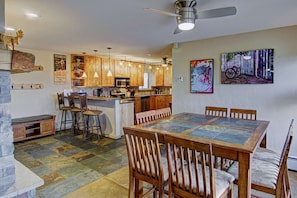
(218, 12)
(160, 12)
(177, 31)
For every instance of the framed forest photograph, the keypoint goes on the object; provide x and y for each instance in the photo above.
(201, 75)
(247, 67)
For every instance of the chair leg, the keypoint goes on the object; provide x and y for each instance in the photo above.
(85, 126)
(131, 185)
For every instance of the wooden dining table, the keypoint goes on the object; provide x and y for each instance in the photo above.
(233, 139)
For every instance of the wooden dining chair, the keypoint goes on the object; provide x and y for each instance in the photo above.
(162, 113)
(145, 116)
(245, 114)
(221, 112)
(216, 111)
(198, 177)
(269, 177)
(145, 162)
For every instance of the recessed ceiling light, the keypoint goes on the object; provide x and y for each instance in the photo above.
(32, 15)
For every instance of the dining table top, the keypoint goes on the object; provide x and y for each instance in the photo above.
(241, 134)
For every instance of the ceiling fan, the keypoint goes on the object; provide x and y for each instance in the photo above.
(165, 62)
(186, 14)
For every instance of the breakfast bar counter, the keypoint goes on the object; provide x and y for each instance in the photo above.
(116, 114)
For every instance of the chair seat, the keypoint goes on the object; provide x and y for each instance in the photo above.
(263, 173)
(92, 112)
(65, 108)
(75, 109)
(267, 155)
(222, 180)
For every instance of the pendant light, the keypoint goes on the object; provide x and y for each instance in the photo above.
(109, 73)
(95, 62)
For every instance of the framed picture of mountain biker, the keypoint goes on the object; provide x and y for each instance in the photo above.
(247, 67)
(201, 76)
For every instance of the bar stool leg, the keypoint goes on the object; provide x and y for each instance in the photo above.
(99, 127)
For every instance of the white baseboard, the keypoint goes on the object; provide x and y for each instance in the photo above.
(292, 163)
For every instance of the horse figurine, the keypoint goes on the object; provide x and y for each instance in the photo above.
(10, 41)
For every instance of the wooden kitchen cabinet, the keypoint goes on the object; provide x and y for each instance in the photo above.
(152, 102)
(121, 69)
(136, 74)
(77, 69)
(107, 81)
(92, 64)
(159, 76)
(168, 100)
(160, 101)
(137, 104)
(167, 75)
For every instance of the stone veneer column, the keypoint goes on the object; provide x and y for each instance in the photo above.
(7, 166)
(7, 162)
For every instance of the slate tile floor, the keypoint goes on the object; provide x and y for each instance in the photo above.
(76, 168)
(67, 163)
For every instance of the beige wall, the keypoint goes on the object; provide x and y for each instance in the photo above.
(29, 102)
(275, 102)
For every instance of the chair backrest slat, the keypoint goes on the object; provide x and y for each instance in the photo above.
(216, 111)
(191, 179)
(146, 116)
(144, 155)
(162, 113)
(245, 114)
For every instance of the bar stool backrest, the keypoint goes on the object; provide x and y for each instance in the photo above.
(61, 100)
(83, 102)
(71, 100)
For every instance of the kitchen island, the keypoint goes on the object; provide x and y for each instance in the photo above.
(116, 114)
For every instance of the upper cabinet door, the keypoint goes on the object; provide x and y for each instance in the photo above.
(159, 76)
(107, 81)
(168, 75)
(93, 65)
(121, 69)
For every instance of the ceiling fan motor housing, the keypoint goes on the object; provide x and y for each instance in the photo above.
(185, 3)
(187, 13)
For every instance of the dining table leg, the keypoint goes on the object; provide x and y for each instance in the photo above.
(244, 175)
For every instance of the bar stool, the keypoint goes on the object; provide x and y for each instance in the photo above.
(87, 114)
(75, 111)
(64, 109)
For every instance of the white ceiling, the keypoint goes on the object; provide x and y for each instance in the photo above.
(76, 26)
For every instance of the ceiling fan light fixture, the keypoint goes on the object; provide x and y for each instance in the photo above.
(186, 20)
(186, 26)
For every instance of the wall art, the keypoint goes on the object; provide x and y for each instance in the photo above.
(59, 69)
(247, 67)
(201, 76)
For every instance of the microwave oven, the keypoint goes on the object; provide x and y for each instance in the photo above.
(122, 82)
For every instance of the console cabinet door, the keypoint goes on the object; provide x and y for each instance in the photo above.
(19, 132)
(47, 127)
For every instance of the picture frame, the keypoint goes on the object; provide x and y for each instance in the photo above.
(247, 67)
(59, 69)
(201, 75)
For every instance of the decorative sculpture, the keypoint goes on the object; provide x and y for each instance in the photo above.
(10, 41)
